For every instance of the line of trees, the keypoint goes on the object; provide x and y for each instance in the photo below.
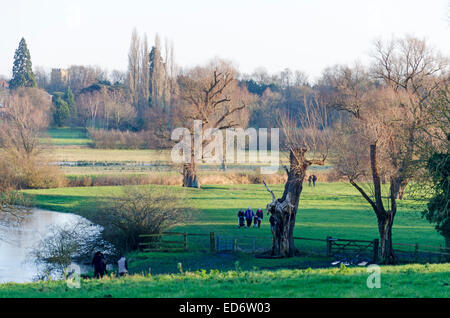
(391, 109)
(385, 122)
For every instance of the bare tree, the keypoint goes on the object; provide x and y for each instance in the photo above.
(208, 96)
(81, 76)
(90, 104)
(408, 65)
(118, 77)
(144, 77)
(42, 77)
(27, 115)
(308, 145)
(133, 68)
(388, 118)
(22, 163)
(120, 111)
(158, 76)
(139, 211)
(67, 243)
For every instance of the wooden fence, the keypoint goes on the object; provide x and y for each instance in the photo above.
(330, 247)
(171, 241)
(337, 246)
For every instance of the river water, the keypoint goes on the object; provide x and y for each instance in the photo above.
(16, 242)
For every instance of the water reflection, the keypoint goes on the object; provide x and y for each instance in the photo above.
(16, 243)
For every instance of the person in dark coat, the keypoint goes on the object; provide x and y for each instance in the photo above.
(309, 180)
(99, 263)
(314, 179)
(241, 218)
(258, 218)
(249, 215)
(272, 224)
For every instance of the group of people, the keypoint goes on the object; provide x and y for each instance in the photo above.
(312, 178)
(249, 216)
(99, 263)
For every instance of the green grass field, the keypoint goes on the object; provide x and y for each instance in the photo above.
(395, 281)
(67, 137)
(330, 209)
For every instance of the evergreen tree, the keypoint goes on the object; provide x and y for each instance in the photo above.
(62, 111)
(69, 97)
(23, 75)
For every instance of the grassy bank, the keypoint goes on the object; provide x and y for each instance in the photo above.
(396, 281)
(330, 209)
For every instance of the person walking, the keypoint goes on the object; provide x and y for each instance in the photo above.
(241, 218)
(249, 215)
(258, 218)
(99, 263)
(309, 180)
(314, 179)
(122, 266)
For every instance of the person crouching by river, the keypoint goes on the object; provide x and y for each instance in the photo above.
(99, 263)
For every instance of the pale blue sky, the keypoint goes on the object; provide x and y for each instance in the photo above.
(299, 34)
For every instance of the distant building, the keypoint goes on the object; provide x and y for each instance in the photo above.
(59, 78)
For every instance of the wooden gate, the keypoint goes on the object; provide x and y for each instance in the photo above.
(352, 247)
(164, 242)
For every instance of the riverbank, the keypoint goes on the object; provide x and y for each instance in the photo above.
(396, 281)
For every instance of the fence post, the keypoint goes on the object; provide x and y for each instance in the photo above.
(376, 244)
(328, 246)
(235, 245)
(416, 252)
(212, 242)
(185, 241)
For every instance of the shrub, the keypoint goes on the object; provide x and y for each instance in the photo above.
(138, 211)
(64, 244)
(28, 172)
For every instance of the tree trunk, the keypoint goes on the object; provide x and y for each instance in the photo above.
(190, 178)
(284, 210)
(401, 191)
(385, 230)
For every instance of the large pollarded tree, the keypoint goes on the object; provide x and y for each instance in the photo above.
(308, 142)
(212, 96)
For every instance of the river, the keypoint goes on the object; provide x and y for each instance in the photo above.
(16, 243)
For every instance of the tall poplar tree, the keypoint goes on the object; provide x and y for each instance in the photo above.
(23, 75)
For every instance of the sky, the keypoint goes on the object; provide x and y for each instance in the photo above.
(301, 35)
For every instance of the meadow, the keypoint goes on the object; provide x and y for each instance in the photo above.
(395, 281)
(72, 147)
(330, 209)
